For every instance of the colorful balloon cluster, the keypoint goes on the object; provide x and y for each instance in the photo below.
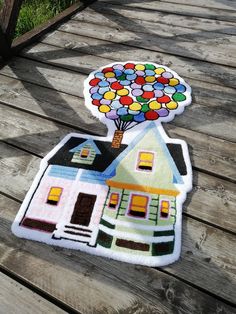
(135, 92)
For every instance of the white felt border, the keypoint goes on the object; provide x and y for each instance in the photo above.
(128, 137)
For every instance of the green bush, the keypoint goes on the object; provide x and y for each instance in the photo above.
(36, 12)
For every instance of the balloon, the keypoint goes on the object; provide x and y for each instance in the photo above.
(109, 95)
(112, 115)
(135, 106)
(158, 86)
(159, 70)
(116, 86)
(169, 90)
(127, 117)
(173, 82)
(116, 104)
(154, 105)
(137, 92)
(180, 88)
(151, 115)
(150, 79)
(126, 100)
(133, 112)
(140, 117)
(122, 111)
(104, 108)
(167, 75)
(123, 92)
(172, 105)
(164, 99)
(140, 67)
(163, 112)
(103, 84)
(179, 97)
(147, 87)
(94, 81)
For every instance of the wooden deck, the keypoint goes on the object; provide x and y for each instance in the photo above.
(41, 100)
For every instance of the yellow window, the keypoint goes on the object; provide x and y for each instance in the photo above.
(165, 209)
(114, 199)
(138, 205)
(84, 153)
(145, 161)
(54, 195)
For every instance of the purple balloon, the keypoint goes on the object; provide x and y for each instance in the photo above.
(163, 112)
(118, 67)
(134, 86)
(105, 101)
(137, 92)
(111, 79)
(112, 115)
(93, 89)
(140, 73)
(167, 75)
(158, 93)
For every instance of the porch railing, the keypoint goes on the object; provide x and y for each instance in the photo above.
(8, 19)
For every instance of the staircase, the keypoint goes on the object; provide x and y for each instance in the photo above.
(73, 232)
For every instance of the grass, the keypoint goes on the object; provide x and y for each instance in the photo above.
(36, 12)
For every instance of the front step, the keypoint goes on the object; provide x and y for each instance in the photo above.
(72, 232)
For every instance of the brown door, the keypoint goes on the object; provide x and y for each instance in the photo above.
(83, 209)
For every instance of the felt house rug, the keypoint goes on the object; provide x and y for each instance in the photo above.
(118, 196)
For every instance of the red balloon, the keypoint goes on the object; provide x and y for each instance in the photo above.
(129, 66)
(151, 115)
(96, 102)
(164, 99)
(140, 80)
(105, 70)
(94, 82)
(162, 80)
(126, 100)
(148, 95)
(116, 86)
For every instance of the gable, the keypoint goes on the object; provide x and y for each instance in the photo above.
(107, 154)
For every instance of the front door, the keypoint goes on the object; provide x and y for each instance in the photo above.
(83, 209)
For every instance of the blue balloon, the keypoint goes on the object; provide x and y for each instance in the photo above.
(122, 111)
(131, 77)
(150, 72)
(96, 96)
(118, 72)
(125, 82)
(180, 88)
(140, 117)
(129, 71)
(99, 75)
(103, 84)
(158, 86)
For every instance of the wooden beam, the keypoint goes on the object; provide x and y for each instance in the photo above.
(8, 19)
(4, 47)
(35, 33)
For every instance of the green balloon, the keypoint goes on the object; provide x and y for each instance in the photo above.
(145, 108)
(127, 117)
(149, 66)
(122, 77)
(141, 99)
(179, 97)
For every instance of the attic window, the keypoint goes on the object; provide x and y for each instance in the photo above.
(54, 196)
(84, 153)
(138, 206)
(145, 161)
(165, 209)
(113, 201)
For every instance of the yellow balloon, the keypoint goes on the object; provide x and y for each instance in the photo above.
(159, 70)
(123, 92)
(173, 82)
(139, 67)
(154, 105)
(104, 108)
(150, 79)
(172, 105)
(109, 74)
(109, 95)
(135, 106)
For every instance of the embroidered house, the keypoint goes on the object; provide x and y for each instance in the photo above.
(121, 200)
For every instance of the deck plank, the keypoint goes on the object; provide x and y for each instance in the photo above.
(15, 298)
(80, 46)
(199, 118)
(180, 9)
(204, 48)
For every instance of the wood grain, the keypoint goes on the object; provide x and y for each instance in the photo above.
(200, 118)
(15, 298)
(179, 9)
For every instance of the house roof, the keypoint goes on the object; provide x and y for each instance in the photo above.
(104, 157)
